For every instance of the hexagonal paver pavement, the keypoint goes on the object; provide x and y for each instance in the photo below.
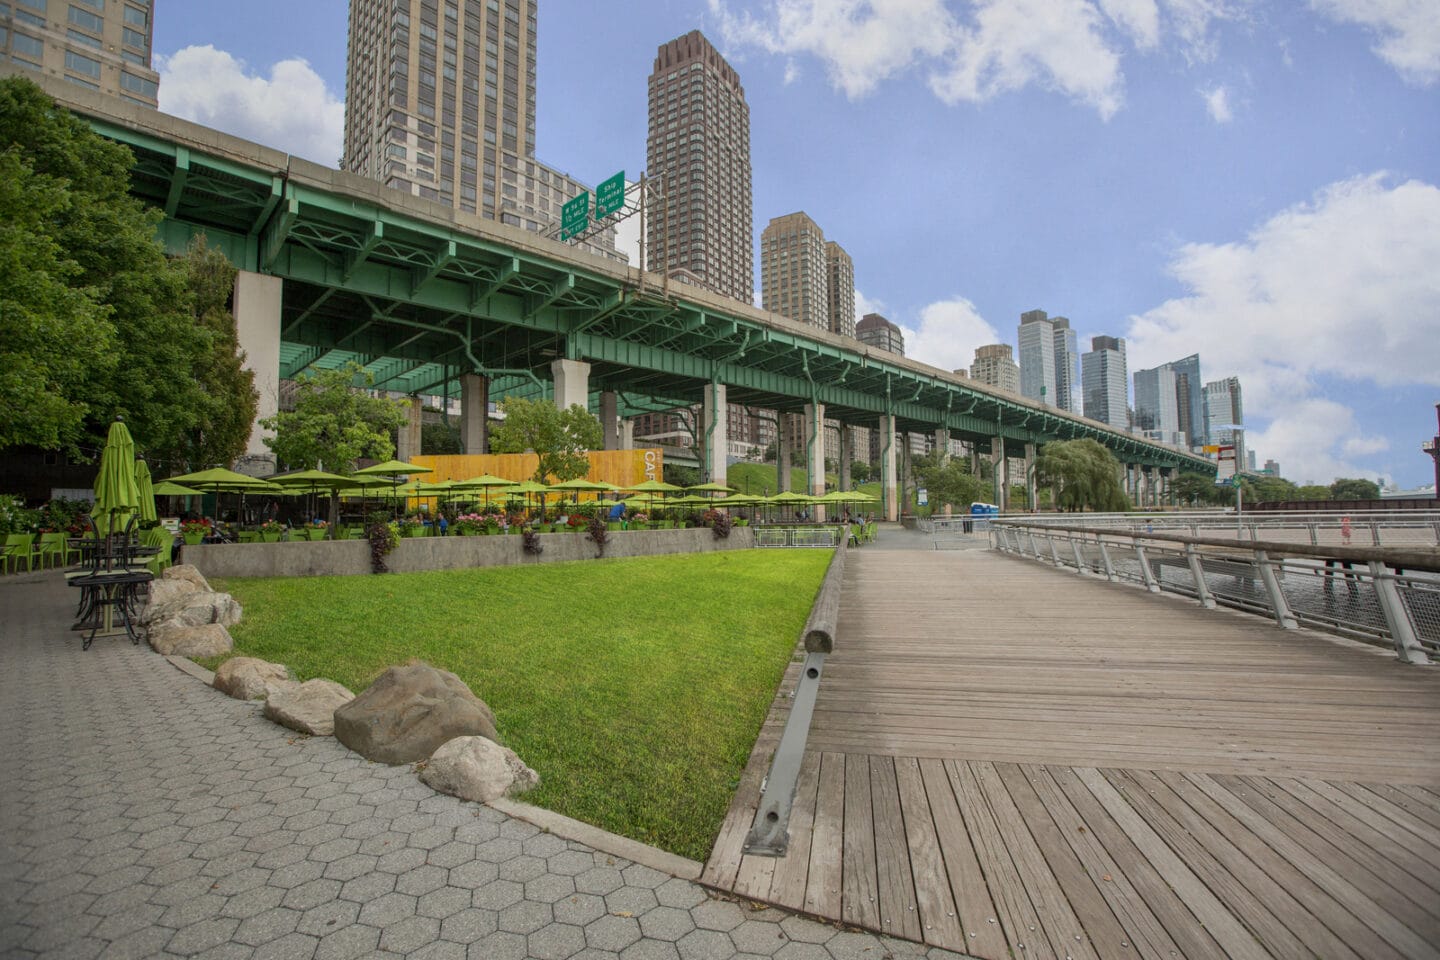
(146, 815)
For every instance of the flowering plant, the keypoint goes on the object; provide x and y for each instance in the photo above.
(640, 517)
(272, 526)
(196, 526)
(578, 520)
(468, 523)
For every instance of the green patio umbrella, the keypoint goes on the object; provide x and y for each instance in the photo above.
(710, 488)
(393, 469)
(653, 486)
(167, 488)
(485, 482)
(146, 490)
(312, 482)
(221, 480)
(115, 490)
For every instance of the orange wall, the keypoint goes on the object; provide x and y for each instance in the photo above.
(624, 468)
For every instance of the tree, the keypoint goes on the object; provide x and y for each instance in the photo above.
(860, 471)
(1194, 489)
(558, 437)
(1348, 488)
(334, 424)
(949, 480)
(1270, 489)
(1312, 491)
(1082, 475)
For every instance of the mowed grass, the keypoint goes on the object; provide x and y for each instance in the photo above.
(635, 687)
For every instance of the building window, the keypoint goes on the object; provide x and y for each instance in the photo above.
(136, 17)
(145, 88)
(86, 20)
(84, 38)
(33, 4)
(133, 38)
(82, 64)
(27, 45)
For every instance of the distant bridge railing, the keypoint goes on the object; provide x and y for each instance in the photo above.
(1387, 595)
(1381, 528)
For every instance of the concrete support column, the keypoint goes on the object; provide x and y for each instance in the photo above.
(408, 441)
(1031, 492)
(815, 454)
(1002, 473)
(784, 436)
(627, 434)
(1142, 486)
(715, 440)
(474, 413)
(572, 383)
(257, 327)
(942, 443)
(610, 419)
(908, 486)
(847, 455)
(889, 501)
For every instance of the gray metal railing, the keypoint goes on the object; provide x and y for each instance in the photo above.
(820, 535)
(1379, 528)
(1385, 595)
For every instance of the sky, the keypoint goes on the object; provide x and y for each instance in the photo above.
(1257, 181)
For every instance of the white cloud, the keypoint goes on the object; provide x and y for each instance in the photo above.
(1343, 287)
(864, 305)
(1409, 32)
(1217, 104)
(948, 334)
(291, 110)
(1072, 47)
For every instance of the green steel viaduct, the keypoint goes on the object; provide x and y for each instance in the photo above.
(432, 301)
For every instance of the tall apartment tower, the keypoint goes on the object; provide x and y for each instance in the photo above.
(874, 330)
(1157, 411)
(1067, 365)
(840, 271)
(1190, 400)
(1223, 412)
(794, 275)
(1036, 337)
(1104, 383)
(995, 365)
(103, 46)
(698, 149)
(440, 103)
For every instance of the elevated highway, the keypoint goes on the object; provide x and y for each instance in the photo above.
(433, 301)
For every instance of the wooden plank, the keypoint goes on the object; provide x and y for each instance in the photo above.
(1398, 940)
(1388, 911)
(1143, 929)
(1355, 823)
(973, 905)
(859, 898)
(1421, 830)
(827, 838)
(1058, 922)
(787, 888)
(895, 885)
(1244, 888)
(1099, 924)
(1416, 801)
(934, 903)
(1234, 939)
(754, 877)
(1012, 904)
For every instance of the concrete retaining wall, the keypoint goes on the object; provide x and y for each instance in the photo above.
(352, 557)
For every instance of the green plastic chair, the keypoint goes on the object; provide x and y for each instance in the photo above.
(248, 536)
(157, 564)
(50, 550)
(19, 548)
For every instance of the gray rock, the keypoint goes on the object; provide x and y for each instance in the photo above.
(187, 572)
(249, 678)
(479, 769)
(408, 712)
(166, 597)
(174, 639)
(308, 707)
(202, 608)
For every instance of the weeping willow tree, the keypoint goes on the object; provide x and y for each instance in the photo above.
(1081, 475)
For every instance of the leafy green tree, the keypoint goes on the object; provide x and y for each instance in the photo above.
(333, 423)
(860, 471)
(1349, 488)
(1082, 475)
(1194, 489)
(1270, 489)
(1312, 491)
(440, 439)
(949, 480)
(558, 437)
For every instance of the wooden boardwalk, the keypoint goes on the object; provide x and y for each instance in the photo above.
(1011, 761)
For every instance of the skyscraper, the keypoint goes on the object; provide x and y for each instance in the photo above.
(1157, 413)
(1190, 400)
(102, 46)
(875, 331)
(1105, 385)
(995, 364)
(1036, 338)
(440, 103)
(698, 149)
(1223, 412)
(840, 289)
(1067, 365)
(794, 275)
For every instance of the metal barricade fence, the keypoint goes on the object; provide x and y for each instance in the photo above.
(826, 535)
(1372, 598)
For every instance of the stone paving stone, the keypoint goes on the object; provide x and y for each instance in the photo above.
(240, 840)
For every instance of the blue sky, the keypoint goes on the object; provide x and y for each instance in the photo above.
(1258, 182)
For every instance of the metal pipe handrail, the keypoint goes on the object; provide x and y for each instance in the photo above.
(1364, 592)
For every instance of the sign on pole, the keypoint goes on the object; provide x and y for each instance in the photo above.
(610, 196)
(575, 216)
(1225, 464)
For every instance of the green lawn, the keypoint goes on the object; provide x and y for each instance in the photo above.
(635, 687)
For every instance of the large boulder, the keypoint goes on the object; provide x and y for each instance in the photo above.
(250, 678)
(308, 707)
(202, 608)
(166, 597)
(188, 572)
(475, 768)
(174, 639)
(410, 711)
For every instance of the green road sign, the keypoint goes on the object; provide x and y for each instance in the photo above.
(575, 216)
(610, 196)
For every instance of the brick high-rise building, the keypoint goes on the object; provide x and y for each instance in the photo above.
(995, 365)
(440, 103)
(103, 46)
(698, 149)
(875, 331)
(794, 275)
(840, 289)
